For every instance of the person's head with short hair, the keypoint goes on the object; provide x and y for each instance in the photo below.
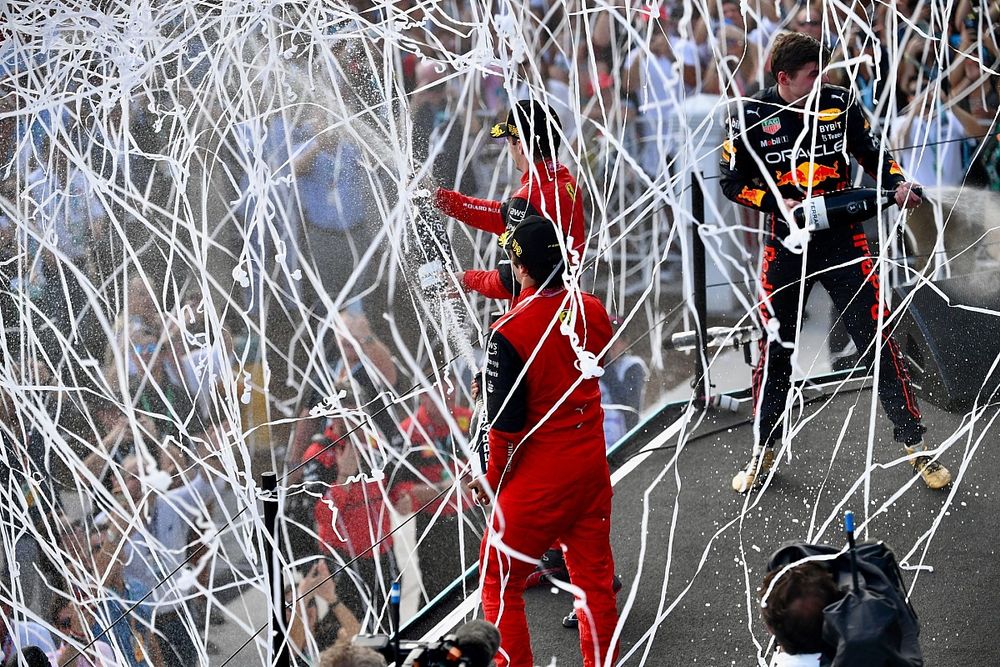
(66, 614)
(732, 14)
(792, 604)
(809, 21)
(535, 252)
(532, 132)
(795, 60)
(132, 474)
(732, 40)
(345, 654)
(32, 656)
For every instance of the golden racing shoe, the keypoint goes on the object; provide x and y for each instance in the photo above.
(935, 475)
(759, 466)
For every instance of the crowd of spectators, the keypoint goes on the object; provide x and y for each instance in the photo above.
(85, 285)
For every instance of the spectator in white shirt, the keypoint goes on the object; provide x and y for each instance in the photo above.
(661, 75)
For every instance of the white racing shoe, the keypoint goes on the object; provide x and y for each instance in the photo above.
(760, 464)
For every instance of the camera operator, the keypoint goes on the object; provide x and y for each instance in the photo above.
(793, 613)
(839, 608)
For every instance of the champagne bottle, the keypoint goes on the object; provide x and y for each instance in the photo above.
(844, 207)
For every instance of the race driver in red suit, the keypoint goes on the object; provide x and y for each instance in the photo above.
(547, 451)
(547, 189)
(779, 152)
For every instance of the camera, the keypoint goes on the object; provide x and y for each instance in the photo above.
(472, 645)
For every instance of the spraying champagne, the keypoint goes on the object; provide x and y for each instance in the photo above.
(844, 207)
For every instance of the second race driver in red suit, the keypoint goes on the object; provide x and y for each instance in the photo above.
(547, 473)
(781, 150)
(548, 189)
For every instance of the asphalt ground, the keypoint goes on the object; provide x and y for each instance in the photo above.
(692, 552)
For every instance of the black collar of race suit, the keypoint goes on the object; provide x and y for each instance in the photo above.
(771, 96)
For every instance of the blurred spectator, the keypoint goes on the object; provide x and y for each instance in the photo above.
(32, 501)
(759, 21)
(793, 612)
(179, 513)
(438, 133)
(607, 41)
(117, 438)
(155, 384)
(71, 620)
(130, 635)
(818, 21)
(613, 123)
(15, 634)
(809, 21)
(336, 199)
(434, 463)
(430, 104)
(128, 523)
(871, 79)
(202, 348)
(551, 73)
(930, 134)
(739, 66)
(156, 542)
(67, 212)
(268, 151)
(358, 363)
(64, 217)
(9, 301)
(318, 472)
(352, 521)
(662, 74)
(622, 387)
(977, 90)
(134, 316)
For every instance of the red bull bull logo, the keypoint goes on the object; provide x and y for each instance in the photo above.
(751, 196)
(807, 175)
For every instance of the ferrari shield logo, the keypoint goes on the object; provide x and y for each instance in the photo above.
(771, 126)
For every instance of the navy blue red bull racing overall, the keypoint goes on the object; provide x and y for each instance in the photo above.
(777, 151)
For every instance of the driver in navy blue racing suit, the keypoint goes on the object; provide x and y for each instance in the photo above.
(780, 151)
